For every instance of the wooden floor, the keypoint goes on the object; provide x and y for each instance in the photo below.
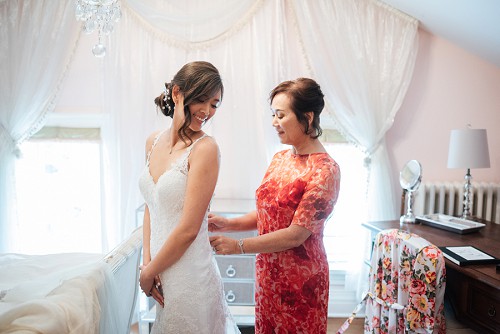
(356, 327)
(333, 325)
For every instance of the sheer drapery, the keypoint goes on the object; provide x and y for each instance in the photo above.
(251, 63)
(196, 23)
(37, 41)
(365, 61)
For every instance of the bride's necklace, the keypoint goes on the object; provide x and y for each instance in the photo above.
(173, 148)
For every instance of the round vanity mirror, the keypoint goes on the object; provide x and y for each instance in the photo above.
(410, 178)
(411, 175)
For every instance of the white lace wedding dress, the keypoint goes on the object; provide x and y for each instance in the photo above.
(192, 287)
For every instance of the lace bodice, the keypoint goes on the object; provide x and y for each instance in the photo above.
(192, 287)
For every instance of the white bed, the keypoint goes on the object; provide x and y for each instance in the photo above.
(76, 293)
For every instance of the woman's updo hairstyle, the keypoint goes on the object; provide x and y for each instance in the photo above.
(165, 102)
(198, 81)
(305, 96)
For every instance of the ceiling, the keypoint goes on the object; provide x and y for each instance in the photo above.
(473, 25)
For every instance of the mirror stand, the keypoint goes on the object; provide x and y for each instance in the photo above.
(409, 217)
(410, 178)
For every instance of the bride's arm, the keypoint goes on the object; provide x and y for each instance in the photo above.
(201, 181)
(146, 227)
(146, 242)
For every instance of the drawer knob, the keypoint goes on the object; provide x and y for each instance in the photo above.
(491, 311)
(230, 296)
(230, 271)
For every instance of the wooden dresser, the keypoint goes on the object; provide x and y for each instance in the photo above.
(474, 290)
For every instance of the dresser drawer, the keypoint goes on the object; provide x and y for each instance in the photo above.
(239, 292)
(236, 266)
(484, 305)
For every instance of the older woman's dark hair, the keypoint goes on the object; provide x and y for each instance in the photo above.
(198, 81)
(305, 96)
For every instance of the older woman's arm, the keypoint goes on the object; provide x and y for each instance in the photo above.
(276, 241)
(323, 186)
(245, 222)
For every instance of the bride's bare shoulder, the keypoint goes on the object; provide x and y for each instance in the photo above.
(151, 138)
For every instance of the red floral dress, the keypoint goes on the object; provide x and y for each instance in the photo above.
(292, 286)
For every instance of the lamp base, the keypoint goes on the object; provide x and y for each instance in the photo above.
(466, 213)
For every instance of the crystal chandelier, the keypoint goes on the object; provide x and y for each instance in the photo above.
(98, 15)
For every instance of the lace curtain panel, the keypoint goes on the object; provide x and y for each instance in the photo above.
(364, 63)
(38, 39)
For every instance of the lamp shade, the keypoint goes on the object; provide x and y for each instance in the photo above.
(468, 149)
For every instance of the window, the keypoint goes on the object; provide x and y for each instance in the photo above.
(341, 234)
(58, 187)
(343, 244)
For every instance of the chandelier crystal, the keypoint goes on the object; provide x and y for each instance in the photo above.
(98, 15)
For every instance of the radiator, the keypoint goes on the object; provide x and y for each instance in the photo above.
(447, 198)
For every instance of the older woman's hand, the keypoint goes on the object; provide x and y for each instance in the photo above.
(217, 223)
(223, 245)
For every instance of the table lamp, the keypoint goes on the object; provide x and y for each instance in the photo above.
(468, 149)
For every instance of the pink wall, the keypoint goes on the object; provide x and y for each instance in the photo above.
(450, 88)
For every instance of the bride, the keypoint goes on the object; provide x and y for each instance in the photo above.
(182, 165)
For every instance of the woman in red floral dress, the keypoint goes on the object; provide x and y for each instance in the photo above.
(297, 195)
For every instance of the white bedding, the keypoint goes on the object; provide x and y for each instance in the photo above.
(76, 293)
(56, 293)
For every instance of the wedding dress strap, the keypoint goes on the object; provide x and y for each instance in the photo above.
(157, 138)
(184, 161)
(192, 145)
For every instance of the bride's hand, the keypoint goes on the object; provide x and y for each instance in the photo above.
(145, 282)
(151, 287)
(157, 291)
(179, 101)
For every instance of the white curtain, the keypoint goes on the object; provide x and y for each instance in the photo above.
(150, 44)
(365, 62)
(38, 39)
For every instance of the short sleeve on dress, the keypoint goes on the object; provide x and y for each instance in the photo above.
(319, 197)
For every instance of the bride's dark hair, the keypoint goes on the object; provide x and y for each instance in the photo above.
(197, 81)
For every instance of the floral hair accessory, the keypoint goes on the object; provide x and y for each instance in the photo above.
(166, 97)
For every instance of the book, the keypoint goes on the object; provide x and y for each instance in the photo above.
(467, 255)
